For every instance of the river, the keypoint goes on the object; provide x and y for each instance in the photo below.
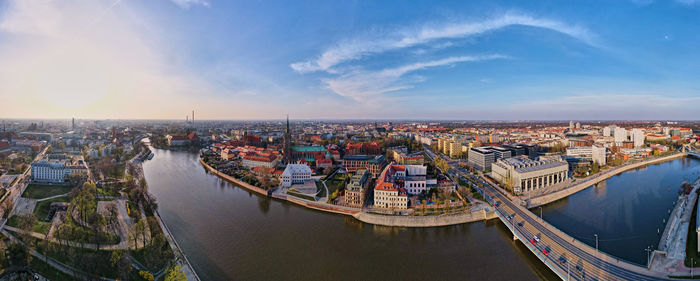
(230, 234)
(626, 210)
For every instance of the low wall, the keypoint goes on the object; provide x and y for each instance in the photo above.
(549, 198)
(422, 221)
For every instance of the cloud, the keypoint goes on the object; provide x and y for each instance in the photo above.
(357, 48)
(366, 85)
(186, 4)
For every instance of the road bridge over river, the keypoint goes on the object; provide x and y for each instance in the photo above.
(565, 256)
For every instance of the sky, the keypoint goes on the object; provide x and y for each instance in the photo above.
(456, 60)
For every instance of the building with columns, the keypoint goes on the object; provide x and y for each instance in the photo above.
(522, 174)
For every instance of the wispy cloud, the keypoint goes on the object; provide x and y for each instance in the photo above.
(357, 48)
(186, 4)
(363, 85)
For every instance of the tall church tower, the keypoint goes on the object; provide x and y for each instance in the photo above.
(287, 145)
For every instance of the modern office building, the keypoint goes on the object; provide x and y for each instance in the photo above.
(522, 174)
(295, 174)
(595, 153)
(355, 190)
(482, 157)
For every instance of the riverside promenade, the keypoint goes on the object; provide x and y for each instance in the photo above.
(477, 214)
(585, 183)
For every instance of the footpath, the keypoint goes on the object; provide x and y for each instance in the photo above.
(671, 251)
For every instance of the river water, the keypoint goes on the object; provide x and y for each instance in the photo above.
(230, 234)
(626, 210)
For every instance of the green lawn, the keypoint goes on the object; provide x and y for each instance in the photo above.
(42, 208)
(336, 183)
(107, 192)
(38, 191)
(39, 226)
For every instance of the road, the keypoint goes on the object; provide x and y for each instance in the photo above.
(568, 258)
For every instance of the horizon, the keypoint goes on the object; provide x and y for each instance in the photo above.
(158, 60)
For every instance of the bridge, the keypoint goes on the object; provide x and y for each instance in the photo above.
(565, 256)
(690, 151)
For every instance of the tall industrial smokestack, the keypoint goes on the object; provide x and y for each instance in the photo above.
(192, 117)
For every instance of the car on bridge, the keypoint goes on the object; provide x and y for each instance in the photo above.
(520, 224)
(537, 238)
(562, 260)
(533, 241)
(546, 251)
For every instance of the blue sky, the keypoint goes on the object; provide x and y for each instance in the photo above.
(352, 59)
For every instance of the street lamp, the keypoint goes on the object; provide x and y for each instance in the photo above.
(596, 242)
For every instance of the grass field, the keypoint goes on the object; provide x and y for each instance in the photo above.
(42, 208)
(38, 191)
(336, 183)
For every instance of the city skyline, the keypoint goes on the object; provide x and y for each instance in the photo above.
(450, 61)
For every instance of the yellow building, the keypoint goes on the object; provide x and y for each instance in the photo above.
(455, 149)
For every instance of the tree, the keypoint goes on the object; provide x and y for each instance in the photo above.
(146, 275)
(18, 255)
(26, 224)
(175, 273)
(595, 167)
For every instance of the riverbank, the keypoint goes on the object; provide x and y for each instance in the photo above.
(561, 194)
(384, 220)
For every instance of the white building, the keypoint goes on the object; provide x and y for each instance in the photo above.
(599, 154)
(637, 136)
(50, 171)
(522, 174)
(295, 174)
(620, 135)
(607, 132)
